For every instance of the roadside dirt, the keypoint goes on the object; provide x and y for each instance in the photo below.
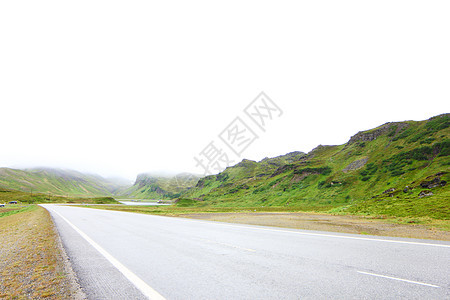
(324, 222)
(32, 263)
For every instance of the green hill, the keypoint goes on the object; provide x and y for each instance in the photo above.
(57, 182)
(399, 168)
(156, 186)
(7, 195)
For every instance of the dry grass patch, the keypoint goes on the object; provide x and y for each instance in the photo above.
(31, 263)
(327, 222)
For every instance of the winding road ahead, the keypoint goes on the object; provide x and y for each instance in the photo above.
(118, 255)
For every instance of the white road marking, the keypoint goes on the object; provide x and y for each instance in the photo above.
(133, 278)
(399, 279)
(318, 234)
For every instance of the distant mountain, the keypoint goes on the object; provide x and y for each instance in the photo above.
(76, 184)
(399, 168)
(57, 182)
(157, 186)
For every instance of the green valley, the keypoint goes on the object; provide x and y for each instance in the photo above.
(57, 182)
(398, 169)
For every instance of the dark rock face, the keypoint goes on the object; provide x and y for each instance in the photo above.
(143, 180)
(283, 169)
(425, 194)
(246, 163)
(364, 136)
(436, 182)
(357, 164)
(389, 191)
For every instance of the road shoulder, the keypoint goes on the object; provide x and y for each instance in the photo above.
(98, 278)
(31, 261)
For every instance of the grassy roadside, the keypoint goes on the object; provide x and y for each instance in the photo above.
(180, 210)
(291, 217)
(8, 211)
(7, 195)
(31, 261)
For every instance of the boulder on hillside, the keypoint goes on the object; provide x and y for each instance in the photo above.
(389, 191)
(425, 193)
(436, 182)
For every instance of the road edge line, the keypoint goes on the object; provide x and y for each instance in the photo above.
(399, 279)
(145, 289)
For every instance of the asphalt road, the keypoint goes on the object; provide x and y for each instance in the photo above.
(119, 255)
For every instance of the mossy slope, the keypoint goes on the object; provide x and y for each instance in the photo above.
(399, 168)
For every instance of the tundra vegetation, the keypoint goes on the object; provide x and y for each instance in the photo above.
(396, 173)
(397, 169)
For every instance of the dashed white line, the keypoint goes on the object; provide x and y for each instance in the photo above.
(399, 279)
(148, 291)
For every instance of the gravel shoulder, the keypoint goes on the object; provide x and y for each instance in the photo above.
(32, 261)
(326, 222)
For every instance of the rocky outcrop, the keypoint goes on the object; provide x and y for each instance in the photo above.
(283, 169)
(425, 194)
(436, 182)
(246, 163)
(143, 180)
(367, 136)
(161, 186)
(284, 159)
(391, 190)
(357, 164)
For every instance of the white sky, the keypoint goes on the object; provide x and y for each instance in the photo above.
(123, 87)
